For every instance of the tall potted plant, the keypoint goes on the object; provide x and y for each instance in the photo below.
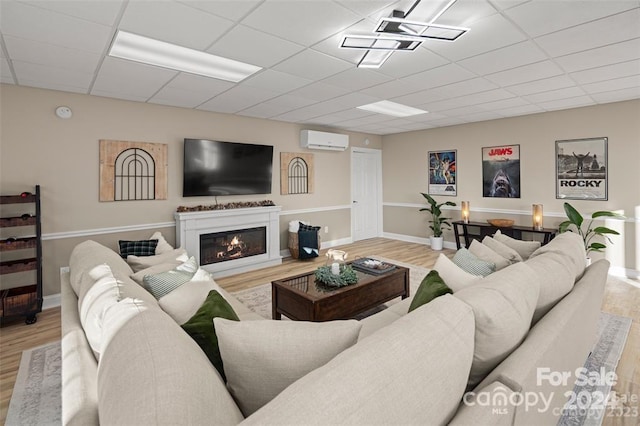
(437, 221)
(574, 224)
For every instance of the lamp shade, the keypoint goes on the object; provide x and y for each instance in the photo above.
(537, 217)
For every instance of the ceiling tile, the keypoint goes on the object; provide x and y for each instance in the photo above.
(445, 92)
(615, 53)
(276, 106)
(276, 81)
(483, 116)
(440, 76)
(544, 85)
(33, 23)
(319, 91)
(254, 47)
(466, 13)
(189, 91)
(543, 17)
(566, 103)
(552, 95)
(356, 79)
(526, 73)
(101, 12)
(503, 59)
(297, 20)
(180, 98)
(521, 110)
(503, 104)
(331, 45)
(463, 111)
(620, 27)
(313, 65)
(228, 9)
(593, 75)
(390, 89)
(617, 95)
(507, 4)
(51, 77)
(485, 35)
(5, 72)
(174, 23)
(402, 64)
(368, 7)
(35, 52)
(611, 85)
(131, 79)
(237, 98)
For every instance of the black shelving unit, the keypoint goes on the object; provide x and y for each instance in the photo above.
(478, 230)
(24, 300)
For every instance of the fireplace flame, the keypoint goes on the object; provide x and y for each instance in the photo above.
(234, 242)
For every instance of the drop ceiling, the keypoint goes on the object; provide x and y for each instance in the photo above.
(519, 57)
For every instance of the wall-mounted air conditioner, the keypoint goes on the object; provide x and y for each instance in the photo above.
(313, 139)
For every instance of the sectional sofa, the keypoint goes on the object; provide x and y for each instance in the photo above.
(462, 358)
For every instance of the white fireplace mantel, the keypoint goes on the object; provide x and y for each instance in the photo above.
(190, 225)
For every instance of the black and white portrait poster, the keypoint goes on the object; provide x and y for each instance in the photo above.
(501, 171)
(581, 169)
(442, 173)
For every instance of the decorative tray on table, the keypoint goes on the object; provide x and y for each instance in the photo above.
(372, 266)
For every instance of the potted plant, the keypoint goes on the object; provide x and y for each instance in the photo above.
(576, 220)
(437, 221)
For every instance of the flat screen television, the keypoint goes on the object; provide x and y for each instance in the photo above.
(226, 168)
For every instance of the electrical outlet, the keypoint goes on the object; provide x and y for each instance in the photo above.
(326, 229)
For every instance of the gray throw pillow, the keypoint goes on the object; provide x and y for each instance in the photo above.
(472, 264)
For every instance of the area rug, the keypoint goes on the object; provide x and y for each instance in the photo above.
(36, 398)
(612, 336)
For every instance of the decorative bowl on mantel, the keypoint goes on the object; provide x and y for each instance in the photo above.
(501, 223)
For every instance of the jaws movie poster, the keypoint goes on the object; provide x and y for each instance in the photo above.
(581, 169)
(501, 171)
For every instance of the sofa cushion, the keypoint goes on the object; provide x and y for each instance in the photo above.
(137, 248)
(163, 246)
(171, 381)
(570, 247)
(432, 286)
(488, 255)
(262, 358)
(524, 248)
(138, 263)
(455, 277)
(397, 375)
(86, 256)
(200, 326)
(472, 264)
(503, 304)
(502, 249)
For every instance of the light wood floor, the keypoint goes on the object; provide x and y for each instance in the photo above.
(621, 299)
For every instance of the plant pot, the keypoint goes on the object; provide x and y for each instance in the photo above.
(588, 261)
(436, 243)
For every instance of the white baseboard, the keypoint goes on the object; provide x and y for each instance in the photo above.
(51, 301)
(619, 271)
(417, 240)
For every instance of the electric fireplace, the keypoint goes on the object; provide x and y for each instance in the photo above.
(230, 245)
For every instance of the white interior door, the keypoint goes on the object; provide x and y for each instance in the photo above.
(366, 193)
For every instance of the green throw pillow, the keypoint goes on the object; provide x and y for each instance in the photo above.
(432, 286)
(200, 327)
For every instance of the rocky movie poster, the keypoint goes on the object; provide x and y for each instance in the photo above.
(581, 169)
(442, 173)
(501, 171)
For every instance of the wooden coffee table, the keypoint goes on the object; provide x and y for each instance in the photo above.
(301, 298)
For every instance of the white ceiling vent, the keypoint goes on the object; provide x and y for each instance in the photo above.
(313, 139)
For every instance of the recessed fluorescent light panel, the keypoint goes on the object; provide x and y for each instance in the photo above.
(392, 108)
(159, 53)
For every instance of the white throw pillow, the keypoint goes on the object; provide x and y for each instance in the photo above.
(163, 246)
(454, 276)
(182, 303)
(502, 249)
(487, 254)
(102, 294)
(503, 304)
(524, 248)
(176, 256)
(262, 358)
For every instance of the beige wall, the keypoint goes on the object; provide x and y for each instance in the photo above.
(62, 156)
(405, 170)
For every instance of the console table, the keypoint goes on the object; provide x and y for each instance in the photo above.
(478, 230)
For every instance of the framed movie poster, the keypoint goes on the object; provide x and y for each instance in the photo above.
(442, 173)
(501, 171)
(581, 169)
